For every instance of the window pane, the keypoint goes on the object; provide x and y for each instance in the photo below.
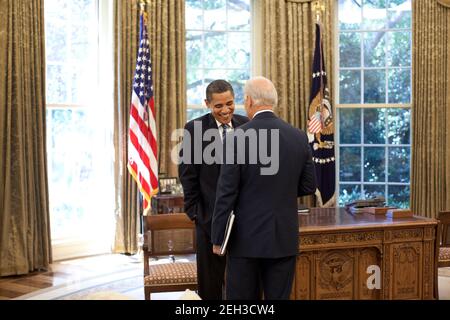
(374, 49)
(374, 164)
(399, 49)
(215, 14)
(218, 48)
(239, 49)
(375, 126)
(194, 49)
(213, 74)
(83, 11)
(349, 14)
(374, 14)
(56, 9)
(237, 80)
(349, 49)
(240, 111)
(194, 10)
(399, 13)
(215, 53)
(195, 87)
(399, 86)
(56, 84)
(399, 126)
(350, 164)
(82, 85)
(81, 43)
(399, 163)
(70, 167)
(374, 86)
(348, 193)
(398, 196)
(56, 41)
(239, 15)
(350, 86)
(195, 113)
(372, 191)
(350, 126)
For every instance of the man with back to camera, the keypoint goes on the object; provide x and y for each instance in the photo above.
(264, 239)
(199, 182)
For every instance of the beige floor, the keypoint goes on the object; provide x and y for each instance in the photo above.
(107, 277)
(444, 284)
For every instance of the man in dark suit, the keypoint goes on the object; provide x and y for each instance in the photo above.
(263, 194)
(199, 179)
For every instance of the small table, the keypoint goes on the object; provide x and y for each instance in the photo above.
(167, 203)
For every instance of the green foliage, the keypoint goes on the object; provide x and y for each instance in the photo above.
(385, 132)
(214, 49)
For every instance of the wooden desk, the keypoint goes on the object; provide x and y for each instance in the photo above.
(337, 247)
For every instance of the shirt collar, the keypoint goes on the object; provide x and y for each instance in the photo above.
(219, 124)
(261, 111)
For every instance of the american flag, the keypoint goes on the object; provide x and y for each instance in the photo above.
(142, 143)
(321, 128)
(315, 123)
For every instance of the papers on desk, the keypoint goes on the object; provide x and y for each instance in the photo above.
(399, 213)
(302, 210)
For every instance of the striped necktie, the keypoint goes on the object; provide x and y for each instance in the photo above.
(224, 131)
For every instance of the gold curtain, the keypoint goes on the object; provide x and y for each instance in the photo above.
(168, 53)
(288, 35)
(24, 211)
(288, 44)
(430, 160)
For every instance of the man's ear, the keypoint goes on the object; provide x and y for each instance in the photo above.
(250, 102)
(207, 103)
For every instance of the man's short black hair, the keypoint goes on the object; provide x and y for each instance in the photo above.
(218, 86)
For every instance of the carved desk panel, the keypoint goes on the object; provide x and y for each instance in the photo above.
(341, 254)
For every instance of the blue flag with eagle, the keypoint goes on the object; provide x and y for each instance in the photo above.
(321, 128)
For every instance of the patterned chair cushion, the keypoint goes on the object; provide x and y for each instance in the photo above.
(172, 273)
(444, 254)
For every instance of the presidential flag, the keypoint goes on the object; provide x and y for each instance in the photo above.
(142, 143)
(321, 128)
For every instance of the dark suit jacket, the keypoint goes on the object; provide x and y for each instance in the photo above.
(200, 180)
(266, 223)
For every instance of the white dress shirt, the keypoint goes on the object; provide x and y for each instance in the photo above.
(261, 111)
(219, 125)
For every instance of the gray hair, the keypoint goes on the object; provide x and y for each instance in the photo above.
(262, 91)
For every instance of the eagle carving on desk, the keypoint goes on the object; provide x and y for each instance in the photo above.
(336, 271)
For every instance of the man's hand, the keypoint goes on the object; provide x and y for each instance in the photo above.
(216, 250)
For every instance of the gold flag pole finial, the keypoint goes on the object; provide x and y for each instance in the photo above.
(143, 4)
(318, 7)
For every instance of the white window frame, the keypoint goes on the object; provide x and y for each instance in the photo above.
(255, 56)
(364, 106)
(77, 246)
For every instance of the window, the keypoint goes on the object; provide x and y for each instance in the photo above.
(374, 100)
(218, 46)
(79, 123)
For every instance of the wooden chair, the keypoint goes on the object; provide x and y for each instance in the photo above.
(444, 239)
(442, 246)
(171, 276)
